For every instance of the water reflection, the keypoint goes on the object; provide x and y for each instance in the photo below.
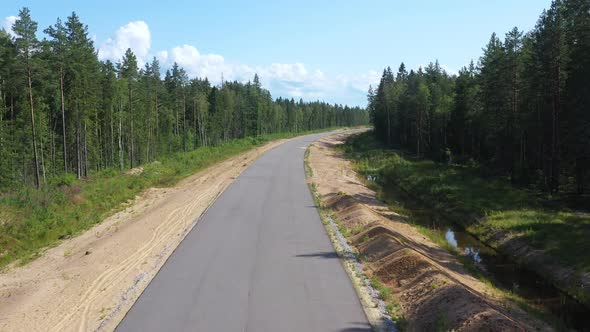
(450, 236)
(471, 252)
(501, 270)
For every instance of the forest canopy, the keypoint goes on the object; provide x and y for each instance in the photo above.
(522, 111)
(62, 111)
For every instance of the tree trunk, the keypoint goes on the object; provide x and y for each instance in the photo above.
(418, 129)
(195, 122)
(121, 161)
(33, 131)
(63, 118)
(112, 138)
(85, 150)
(556, 107)
(513, 119)
(13, 164)
(131, 124)
(184, 121)
(42, 160)
(157, 145)
(176, 119)
(99, 142)
(78, 142)
(149, 142)
(388, 127)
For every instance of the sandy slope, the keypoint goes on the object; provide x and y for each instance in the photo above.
(427, 280)
(89, 282)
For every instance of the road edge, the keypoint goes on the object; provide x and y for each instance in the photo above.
(373, 307)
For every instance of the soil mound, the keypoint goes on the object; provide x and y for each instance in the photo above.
(379, 246)
(351, 213)
(430, 298)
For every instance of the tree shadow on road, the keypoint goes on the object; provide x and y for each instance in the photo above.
(360, 327)
(324, 254)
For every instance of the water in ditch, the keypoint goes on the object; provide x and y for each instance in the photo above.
(500, 269)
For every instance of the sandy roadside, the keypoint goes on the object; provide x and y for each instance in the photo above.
(89, 282)
(443, 286)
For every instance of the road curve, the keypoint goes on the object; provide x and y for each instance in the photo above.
(258, 260)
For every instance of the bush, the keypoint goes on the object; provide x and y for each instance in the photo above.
(31, 219)
(63, 180)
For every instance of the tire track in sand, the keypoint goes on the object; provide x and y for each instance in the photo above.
(69, 290)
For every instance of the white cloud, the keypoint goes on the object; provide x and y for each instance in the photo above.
(7, 24)
(362, 82)
(134, 35)
(195, 63)
(293, 72)
(162, 56)
(292, 80)
(449, 70)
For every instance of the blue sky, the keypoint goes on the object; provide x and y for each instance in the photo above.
(328, 50)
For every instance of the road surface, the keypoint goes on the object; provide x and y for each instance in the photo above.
(258, 260)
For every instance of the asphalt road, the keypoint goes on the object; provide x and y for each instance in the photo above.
(258, 260)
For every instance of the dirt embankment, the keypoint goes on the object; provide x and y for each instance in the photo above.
(433, 289)
(89, 282)
(567, 279)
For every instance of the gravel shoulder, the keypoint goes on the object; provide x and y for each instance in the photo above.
(89, 282)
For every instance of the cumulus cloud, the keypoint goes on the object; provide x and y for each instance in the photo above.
(213, 66)
(292, 80)
(450, 70)
(7, 24)
(293, 72)
(195, 63)
(361, 82)
(134, 35)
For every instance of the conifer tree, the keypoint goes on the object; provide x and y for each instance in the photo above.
(27, 46)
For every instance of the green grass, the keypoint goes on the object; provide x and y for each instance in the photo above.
(31, 219)
(483, 205)
(391, 303)
(371, 158)
(393, 307)
(476, 272)
(385, 294)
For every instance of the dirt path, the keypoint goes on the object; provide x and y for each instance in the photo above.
(89, 282)
(431, 286)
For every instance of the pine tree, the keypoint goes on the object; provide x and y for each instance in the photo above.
(27, 47)
(577, 115)
(128, 71)
(108, 105)
(551, 61)
(84, 115)
(512, 143)
(8, 91)
(82, 80)
(58, 47)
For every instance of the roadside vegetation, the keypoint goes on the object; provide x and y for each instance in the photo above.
(32, 219)
(502, 147)
(519, 112)
(398, 261)
(64, 112)
(76, 128)
(483, 205)
(358, 278)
